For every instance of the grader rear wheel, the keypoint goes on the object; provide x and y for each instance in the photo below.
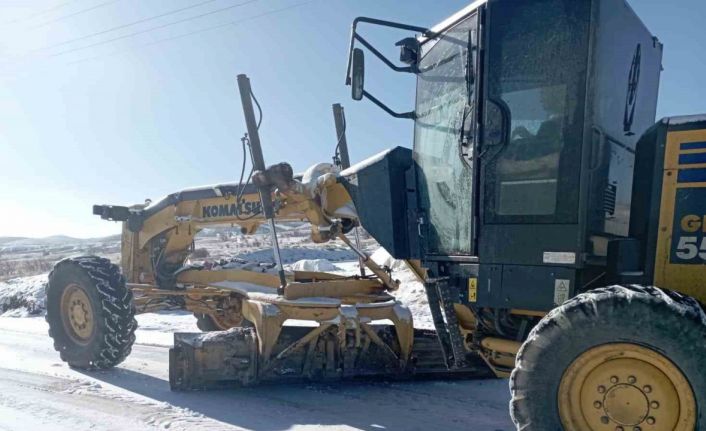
(627, 386)
(622, 358)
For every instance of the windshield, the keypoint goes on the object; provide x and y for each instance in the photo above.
(444, 177)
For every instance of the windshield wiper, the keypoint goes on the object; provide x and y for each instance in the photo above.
(470, 73)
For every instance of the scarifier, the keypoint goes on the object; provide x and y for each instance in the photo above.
(560, 234)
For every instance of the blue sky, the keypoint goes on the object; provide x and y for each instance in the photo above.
(140, 117)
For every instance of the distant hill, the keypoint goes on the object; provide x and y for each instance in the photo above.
(9, 242)
(6, 239)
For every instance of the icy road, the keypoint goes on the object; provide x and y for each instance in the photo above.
(37, 391)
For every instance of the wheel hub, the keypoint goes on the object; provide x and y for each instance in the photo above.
(626, 405)
(625, 387)
(77, 314)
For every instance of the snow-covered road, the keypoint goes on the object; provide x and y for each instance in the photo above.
(37, 391)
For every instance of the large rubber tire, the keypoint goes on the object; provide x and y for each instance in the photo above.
(113, 321)
(666, 322)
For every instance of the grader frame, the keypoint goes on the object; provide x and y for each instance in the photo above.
(355, 327)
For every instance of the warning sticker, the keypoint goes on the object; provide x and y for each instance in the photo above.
(472, 289)
(561, 291)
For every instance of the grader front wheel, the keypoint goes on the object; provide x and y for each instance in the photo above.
(90, 312)
(622, 358)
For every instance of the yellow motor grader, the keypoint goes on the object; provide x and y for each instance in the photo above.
(559, 232)
(92, 302)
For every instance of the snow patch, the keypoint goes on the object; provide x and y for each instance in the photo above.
(318, 265)
(411, 292)
(157, 329)
(23, 296)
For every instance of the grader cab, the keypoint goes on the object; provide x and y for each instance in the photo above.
(562, 240)
(558, 231)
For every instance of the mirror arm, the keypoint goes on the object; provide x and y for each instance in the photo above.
(410, 115)
(384, 59)
(425, 31)
(354, 36)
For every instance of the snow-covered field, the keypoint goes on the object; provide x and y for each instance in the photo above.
(38, 391)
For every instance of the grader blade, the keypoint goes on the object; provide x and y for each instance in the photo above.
(202, 361)
(231, 358)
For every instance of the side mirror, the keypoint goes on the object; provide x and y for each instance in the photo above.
(357, 74)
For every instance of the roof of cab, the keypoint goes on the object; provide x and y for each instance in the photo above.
(453, 19)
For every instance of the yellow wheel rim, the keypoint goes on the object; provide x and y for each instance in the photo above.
(625, 387)
(77, 314)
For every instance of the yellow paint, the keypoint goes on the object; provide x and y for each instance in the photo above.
(417, 269)
(692, 223)
(687, 279)
(625, 386)
(532, 313)
(502, 345)
(178, 224)
(466, 319)
(472, 289)
(77, 314)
